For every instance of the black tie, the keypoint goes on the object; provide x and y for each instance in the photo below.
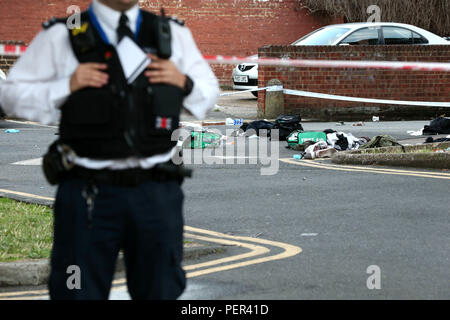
(123, 29)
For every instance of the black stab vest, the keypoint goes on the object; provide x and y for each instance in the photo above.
(119, 120)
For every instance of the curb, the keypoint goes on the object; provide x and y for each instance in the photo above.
(24, 273)
(394, 156)
(34, 273)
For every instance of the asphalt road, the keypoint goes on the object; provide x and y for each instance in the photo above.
(344, 221)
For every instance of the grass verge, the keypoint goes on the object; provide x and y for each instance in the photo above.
(26, 231)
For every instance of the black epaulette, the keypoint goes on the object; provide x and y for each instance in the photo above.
(180, 22)
(53, 21)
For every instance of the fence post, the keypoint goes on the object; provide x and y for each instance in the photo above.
(274, 104)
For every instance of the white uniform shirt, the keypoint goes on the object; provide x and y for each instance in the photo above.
(39, 82)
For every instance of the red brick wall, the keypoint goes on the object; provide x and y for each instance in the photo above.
(226, 27)
(378, 84)
(7, 61)
(21, 20)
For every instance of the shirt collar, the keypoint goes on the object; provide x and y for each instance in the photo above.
(110, 17)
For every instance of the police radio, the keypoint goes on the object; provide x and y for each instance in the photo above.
(163, 38)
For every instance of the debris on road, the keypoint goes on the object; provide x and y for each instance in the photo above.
(234, 122)
(255, 126)
(431, 140)
(299, 137)
(380, 142)
(439, 125)
(285, 124)
(205, 139)
(415, 133)
(319, 150)
(345, 141)
(201, 137)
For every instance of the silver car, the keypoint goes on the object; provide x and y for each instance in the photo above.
(245, 75)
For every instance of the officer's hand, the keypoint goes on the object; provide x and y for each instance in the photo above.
(164, 71)
(89, 75)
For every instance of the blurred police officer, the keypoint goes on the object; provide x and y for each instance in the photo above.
(122, 191)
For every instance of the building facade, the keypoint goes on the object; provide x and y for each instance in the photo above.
(220, 27)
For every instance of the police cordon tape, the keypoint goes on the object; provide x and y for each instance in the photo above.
(12, 49)
(17, 50)
(342, 64)
(343, 98)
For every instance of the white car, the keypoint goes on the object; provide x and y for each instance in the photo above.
(245, 75)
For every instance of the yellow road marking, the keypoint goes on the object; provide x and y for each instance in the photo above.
(422, 174)
(255, 251)
(24, 194)
(32, 123)
(217, 237)
(28, 298)
(20, 293)
(384, 169)
(289, 251)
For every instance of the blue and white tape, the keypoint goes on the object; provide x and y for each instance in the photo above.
(346, 98)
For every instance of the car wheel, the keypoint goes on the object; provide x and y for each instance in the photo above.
(255, 93)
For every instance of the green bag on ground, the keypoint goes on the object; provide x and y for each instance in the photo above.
(380, 142)
(202, 140)
(300, 137)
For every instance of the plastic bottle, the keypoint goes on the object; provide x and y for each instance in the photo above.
(234, 122)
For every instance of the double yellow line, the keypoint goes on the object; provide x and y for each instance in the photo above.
(258, 251)
(414, 173)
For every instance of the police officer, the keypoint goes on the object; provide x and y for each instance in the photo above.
(120, 190)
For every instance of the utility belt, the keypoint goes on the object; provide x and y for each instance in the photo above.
(58, 166)
(128, 177)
